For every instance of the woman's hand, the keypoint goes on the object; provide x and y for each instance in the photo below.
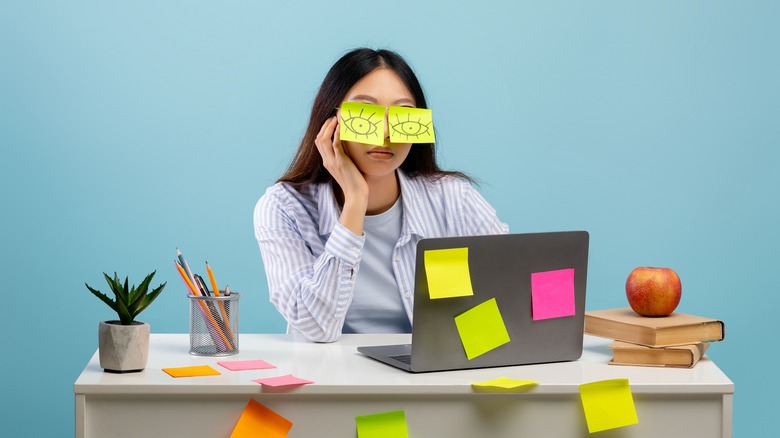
(346, 174)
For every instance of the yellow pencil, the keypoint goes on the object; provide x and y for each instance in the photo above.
(203, 307)
(221, 304)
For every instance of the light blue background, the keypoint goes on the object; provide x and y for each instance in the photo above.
(130, 129)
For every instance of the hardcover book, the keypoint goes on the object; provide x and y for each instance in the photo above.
(676, 329)
(680, 356)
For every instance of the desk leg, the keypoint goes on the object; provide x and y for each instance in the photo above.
(728, 415)
(81, 411)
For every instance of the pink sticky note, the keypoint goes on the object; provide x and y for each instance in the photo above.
(287, 380)
(242, 365)
(552, 294)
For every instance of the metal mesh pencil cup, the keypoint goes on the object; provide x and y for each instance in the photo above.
(214, 325)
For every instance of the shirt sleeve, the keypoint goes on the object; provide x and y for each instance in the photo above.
(311, 292)
(478, 215)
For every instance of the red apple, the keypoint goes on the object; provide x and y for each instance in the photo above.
(653, 291)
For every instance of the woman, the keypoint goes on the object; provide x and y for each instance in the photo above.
(338, 230)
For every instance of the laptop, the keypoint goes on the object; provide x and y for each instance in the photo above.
(527, 279)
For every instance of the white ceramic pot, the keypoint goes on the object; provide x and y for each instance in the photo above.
(123, 348)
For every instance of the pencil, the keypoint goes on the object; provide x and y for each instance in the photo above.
(221, 304)
(223, 342)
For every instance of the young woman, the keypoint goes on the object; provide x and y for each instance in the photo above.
(338, 230)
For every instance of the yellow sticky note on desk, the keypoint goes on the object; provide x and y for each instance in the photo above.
(257, 420)
(608, 404)
(448, 273)
(362, 122)
(195, 371)
(481, 329)
(382, 425)
(410, 125)
(503, 384)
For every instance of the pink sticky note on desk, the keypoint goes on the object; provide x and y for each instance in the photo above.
(286, 380)
(242, 365)
(552, 294)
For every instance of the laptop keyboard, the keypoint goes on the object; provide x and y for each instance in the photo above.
(405, 358)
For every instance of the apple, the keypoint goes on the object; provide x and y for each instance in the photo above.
(653, 291)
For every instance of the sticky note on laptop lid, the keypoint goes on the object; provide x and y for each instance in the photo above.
(448, 273)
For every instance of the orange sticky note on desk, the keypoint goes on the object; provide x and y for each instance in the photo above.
(608, 404)
(195, 371)
(448, 273)
(481, 329)
(382, 425)
(259, 421)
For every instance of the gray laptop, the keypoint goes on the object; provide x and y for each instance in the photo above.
(501, 267)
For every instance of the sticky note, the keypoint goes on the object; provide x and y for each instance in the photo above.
(608, 404)
(362, 122)
(410, 125)
(382, 425)
(257, 420)
(286, 380)
(481, 329)
(194, 371)
(552, 294)
(242, 365)
(503, 384)
(448, 273)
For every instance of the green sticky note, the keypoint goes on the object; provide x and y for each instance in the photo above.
(503, 384)
(362, 122)
(608, 404)
(410, 125)
(481, 329)
(382, 425)
(448, 273)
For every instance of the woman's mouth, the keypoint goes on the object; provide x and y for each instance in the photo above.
(381, 153)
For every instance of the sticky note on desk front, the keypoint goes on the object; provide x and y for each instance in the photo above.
(410, 125)
(382, 425)
(257, 420)
(448, 273)
(362, 122)
(503, 384)
(552, 294)
(481, 329)
(608, 404)
(195, 371)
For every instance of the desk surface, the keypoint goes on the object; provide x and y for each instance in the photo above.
(337, 368)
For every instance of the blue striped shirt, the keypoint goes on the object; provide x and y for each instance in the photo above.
(311, 260)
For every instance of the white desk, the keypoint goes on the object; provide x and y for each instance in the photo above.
(669, 402)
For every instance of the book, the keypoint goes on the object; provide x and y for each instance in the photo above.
(676, 329)
(679, 356)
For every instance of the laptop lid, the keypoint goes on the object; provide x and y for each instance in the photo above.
(531, 284)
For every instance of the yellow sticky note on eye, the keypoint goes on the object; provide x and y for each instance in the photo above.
(608, 404)
(503, 384)
(362, 122)
(410, 125)
(382, 425)
(448, 273)
(481, 329)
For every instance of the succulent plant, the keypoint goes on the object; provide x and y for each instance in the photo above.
(130, 301)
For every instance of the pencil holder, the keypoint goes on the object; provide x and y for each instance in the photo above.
(214, 325)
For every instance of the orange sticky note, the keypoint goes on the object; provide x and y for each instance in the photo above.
(608, 404)
(259, 421)
(195, 371)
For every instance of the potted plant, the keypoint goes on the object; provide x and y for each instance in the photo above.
(123, 345)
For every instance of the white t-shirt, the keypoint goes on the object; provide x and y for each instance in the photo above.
(376, 305)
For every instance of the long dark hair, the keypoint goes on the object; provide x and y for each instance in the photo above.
(306, 167)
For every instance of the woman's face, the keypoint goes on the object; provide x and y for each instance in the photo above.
(380, 87)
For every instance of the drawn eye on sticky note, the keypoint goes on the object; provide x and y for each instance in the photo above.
(410, 125)
(362, 122)
(608, 404)
(552, 294)
(448, 273)
(481, 329)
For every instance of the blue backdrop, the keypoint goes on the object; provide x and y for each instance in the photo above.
(130, 129)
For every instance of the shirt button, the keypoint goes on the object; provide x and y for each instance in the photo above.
(408, 294)
(355, 249)
(397, 258)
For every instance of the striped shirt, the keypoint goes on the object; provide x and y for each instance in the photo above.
(311, 260)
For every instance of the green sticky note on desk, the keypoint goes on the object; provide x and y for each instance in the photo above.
(383, 425)
(362, 122)
(410, 125)
(608, 404)
(448, 274)
(481, 329)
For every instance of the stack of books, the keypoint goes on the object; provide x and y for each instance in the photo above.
(677, 340)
